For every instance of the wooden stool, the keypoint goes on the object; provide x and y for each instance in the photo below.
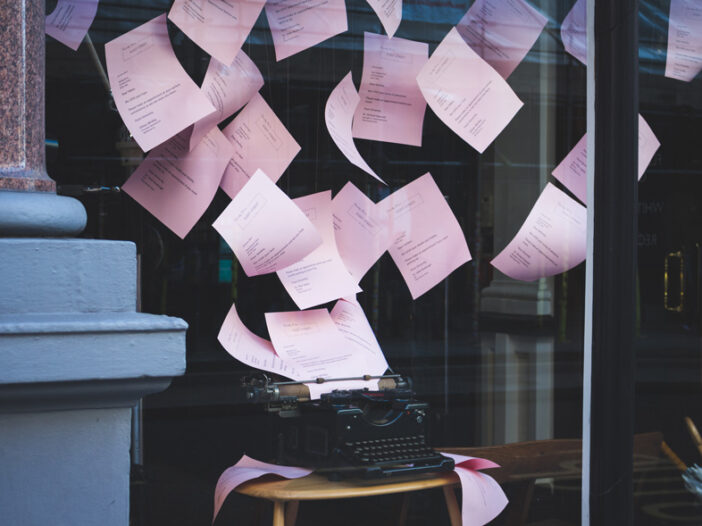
(317, 487)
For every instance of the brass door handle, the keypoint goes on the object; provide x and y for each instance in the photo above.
(666, 279)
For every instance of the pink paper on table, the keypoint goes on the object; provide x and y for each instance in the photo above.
(359, 222)
(154, 95)
(297, 25)
(501, 31)
(220, 27)
(353, 325)
(228, 88)
(574, 31)
(251, 349)
(247, 469)
(482, 497)
(338, 114)
(466, 93)
(260, 142)
(572, 171)
(177, 185)
(265, 229)
(320, 276)
(684, 58)
(70, 20)
(311, 341)
(551, 240)
(389, 12)
(427, 241)
(391, 107)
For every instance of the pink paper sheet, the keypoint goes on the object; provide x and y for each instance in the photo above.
(228, 89)
(312, 342)
(297, 25)
(389, 12)
(501, 31)
(482, 497)
(428, 243)
(574, 31)
(359, 222)
(70, 20)
(338, 114)
(572, 171)
(317, 390)
(265, 229)
(220, 27)
(251, 349)
(391, 107)
(353, 325)
(177, 185)
(154, 95)
(320, 276)
(260, 142)
(247, 469)
(466, 93)
(684, 58)
(551, 240)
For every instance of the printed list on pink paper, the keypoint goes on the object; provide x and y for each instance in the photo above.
(154, 95)
(551, 240)
(312, 342)
(251, 349)
(427, 241)
(354, 327)
(574, 31)
(684, 57)
(338, 115)
(391, 106)
(297, 26)
(70, 20)
(265, 229)
(228, 88)
(389, 12)
(466, 93)
(572, 171)
(177, 185)
(359, 222)
(482, 497)
(320, 276)
(219, 27)
(260, 141)
(501, 31)
(247, 469)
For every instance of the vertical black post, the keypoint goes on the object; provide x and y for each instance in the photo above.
(614, 260)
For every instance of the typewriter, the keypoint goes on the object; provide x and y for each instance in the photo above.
(355, 433)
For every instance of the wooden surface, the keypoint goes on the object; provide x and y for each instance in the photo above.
(317, 487)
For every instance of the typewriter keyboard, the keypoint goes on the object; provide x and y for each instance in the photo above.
(409, 449)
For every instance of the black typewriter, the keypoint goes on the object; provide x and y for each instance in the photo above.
(356, 433)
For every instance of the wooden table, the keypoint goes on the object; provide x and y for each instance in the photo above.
(287, 494)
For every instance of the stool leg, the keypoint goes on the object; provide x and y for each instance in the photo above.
(278, 513)
(452, 506)
(402, 516)
(291, 512)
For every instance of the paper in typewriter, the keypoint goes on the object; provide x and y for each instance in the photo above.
(297, 25)
(154, 95)
(572, 170)
(261, 142)
(70, 20)
(574, 31)
(320, 276)
(219, 27)
(177, 185)
(265, 229)
(391, 106)
(228, 89)
(359, 222)
(389, 12)
(427, 241)
(684, 57)
(466, 93)
(354, 327)
(551, 240)
(501, 31)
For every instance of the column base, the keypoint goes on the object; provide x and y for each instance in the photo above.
(40, 214)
